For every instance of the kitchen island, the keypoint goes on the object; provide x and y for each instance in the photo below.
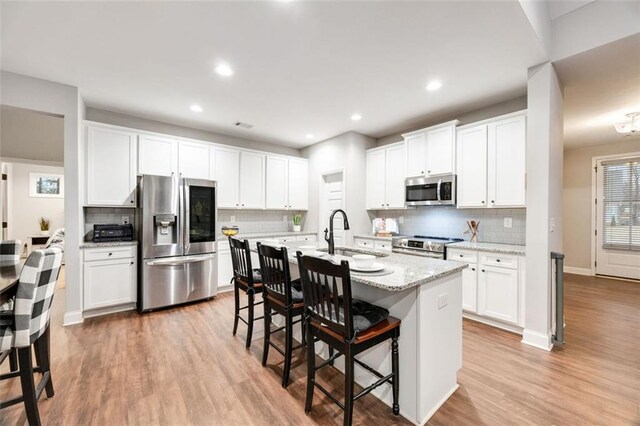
(426, 294)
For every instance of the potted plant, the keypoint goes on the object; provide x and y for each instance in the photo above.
(297, 220)
(44, 225)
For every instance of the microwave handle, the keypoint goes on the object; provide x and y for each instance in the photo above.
(438, 190)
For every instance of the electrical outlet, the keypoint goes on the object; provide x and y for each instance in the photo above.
(284, 218)
(508, 222)
(442, 300)
(233, 218)
(552, 224)
(125, 220)
(401, 219)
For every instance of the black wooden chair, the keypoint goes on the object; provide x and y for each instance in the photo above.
(245, 279)
(283, 297)
(350, 326)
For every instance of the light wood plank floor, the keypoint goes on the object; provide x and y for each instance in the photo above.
(182, 366)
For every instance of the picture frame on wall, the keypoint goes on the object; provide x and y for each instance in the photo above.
(46, 185)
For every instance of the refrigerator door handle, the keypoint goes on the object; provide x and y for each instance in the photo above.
(180, 261)
(186, 215)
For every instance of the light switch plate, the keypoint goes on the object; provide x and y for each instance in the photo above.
(508, 222)
(401, 219)
(233, 218)
(552, 224)
(442, 300)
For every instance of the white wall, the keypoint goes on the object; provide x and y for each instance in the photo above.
(25, 210)
(29, 135)
(346, 151)
(544, 199)
(41, 95)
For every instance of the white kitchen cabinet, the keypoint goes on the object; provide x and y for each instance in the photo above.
(226, 171)
(194, 160)
(470, 287)
(287, 182)
(225, 267)
(363, 242)
(252, 180)
(498, 293)
(385, 177)
(110, 167)
(109, 277)
(491, 163)
(157, 155)
(308, 238)
(431, 151)
(382, 245)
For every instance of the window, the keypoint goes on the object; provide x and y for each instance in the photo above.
(621, 204)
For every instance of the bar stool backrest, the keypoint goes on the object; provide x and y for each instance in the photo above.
(241, 260)
(276, 277)
(326, 290)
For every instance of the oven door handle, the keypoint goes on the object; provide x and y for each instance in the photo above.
(439, 189)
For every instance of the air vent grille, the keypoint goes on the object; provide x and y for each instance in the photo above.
(243, 125)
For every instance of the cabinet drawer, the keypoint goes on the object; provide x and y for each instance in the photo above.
(363, 243)
(462, 256)
(384, 246)
(306, 238)
(109, 253)
(500, 260)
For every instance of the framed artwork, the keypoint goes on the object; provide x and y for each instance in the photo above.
(46, 185)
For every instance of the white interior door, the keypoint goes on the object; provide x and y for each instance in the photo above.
(617, 224)
(332, 196)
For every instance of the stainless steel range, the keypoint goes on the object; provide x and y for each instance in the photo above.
(421, 245)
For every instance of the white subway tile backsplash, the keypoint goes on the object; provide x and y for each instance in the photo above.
(251, 221)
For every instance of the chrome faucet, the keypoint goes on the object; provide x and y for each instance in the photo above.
(329, 238)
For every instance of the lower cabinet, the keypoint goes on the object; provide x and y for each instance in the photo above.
(109, 277)
(225, 268)
(470, 288)
(498, 293)
(381, 245)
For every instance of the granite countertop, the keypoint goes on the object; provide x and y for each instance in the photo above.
(406, 271)
(92, 244)
(373, 237)
(490, 247)
(254, 235)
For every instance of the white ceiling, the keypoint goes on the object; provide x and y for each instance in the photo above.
(300, 67)
(600, 87)
(558, 8)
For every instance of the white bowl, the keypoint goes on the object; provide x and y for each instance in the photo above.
(363, 260)
(308, 250)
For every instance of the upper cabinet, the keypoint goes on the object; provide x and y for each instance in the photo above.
(491, 162)
(287, 181)
(431, 151)
(110, 167)
(194, 160)
(385, 177)
(157, 155)
(252, 177)
(226, 171)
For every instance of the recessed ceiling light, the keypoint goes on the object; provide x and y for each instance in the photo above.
(356, 117)
(309, 136)
(434, 85)
(224, 69)
(196, 108)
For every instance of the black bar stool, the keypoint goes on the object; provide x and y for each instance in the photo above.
(244, 279)
(348, 325)
(284, 297)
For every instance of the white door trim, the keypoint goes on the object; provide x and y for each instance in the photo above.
(594, 194)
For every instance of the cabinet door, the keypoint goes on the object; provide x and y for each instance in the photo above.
(109, 283)
(252, 172)
(157, 156)
(472, 167)
(298, 184)
(194, 160)
(226, 171)
(277, 183)
(506, 162)
(394, 177)
(225, 268)
(470, 288)
(440, 147)
(416, 155)
(498, 293)
(375, 179)
(111, 167)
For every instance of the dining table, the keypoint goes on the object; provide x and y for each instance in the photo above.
(9, 274)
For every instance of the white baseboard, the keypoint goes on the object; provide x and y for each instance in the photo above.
(578, 271)
(513, 328)
(71, 318)
(538, 340)
(225, 288)
(109, 310)
(438, 405)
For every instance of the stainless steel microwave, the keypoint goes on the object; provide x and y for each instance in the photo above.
(431, 191)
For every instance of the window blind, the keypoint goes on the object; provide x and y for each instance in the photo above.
(621, 204)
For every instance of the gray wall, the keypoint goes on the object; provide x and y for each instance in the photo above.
(346, 151)
(133, 122)
(513, 105)
(31, 135)
(577, 198)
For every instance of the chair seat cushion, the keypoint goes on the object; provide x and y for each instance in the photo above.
(257, 276)
(366, 315)
(296, 290)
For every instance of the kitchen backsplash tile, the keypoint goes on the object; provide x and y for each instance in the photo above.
(441, 221)
(251, 221)
(105, 215)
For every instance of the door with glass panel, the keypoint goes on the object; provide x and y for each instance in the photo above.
(618, 217)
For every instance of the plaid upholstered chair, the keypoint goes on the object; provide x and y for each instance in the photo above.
(10, 251)
(24, 321)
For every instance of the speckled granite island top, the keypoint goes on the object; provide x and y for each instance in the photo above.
(93, 244)
(407, 271)
(490, 247)
(257, 235)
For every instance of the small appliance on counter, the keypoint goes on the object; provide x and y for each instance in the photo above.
(112, 232)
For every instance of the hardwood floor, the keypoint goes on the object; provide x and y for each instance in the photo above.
(182, 366)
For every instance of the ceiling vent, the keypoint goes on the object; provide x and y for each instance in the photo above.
(243, 125)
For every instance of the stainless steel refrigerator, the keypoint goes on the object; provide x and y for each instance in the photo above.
(176, 223)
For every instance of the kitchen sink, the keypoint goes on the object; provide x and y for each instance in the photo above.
(349, 252)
